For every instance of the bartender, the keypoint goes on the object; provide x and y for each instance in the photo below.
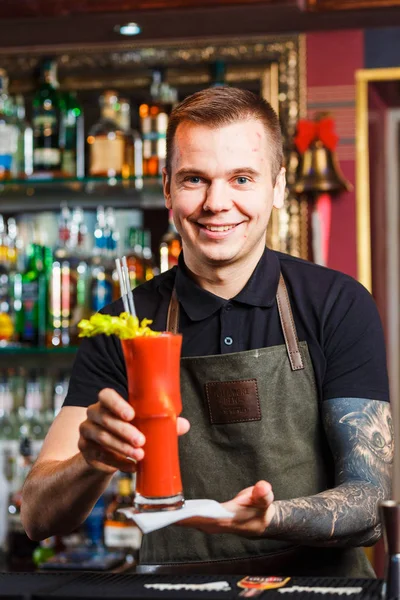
(304, 458)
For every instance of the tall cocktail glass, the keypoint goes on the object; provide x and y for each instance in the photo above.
(153, 372)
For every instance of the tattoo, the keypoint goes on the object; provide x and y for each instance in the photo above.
(360, 435)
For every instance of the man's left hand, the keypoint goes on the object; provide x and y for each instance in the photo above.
(252, 511)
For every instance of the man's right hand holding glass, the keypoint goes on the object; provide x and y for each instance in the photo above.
(108, 440)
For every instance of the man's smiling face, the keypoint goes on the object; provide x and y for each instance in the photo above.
(221, 191)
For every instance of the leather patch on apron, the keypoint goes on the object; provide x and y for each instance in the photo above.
(233, 401)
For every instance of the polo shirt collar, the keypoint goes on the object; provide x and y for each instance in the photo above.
(260, 290)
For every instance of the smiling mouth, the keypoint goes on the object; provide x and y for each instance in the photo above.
(217, 227)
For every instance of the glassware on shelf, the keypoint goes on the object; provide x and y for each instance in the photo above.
(115, 149)
(48, 105)
(8, 130)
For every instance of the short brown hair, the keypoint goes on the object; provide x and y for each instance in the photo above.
(219, 106)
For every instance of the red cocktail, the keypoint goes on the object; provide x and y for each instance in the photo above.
(153, 372)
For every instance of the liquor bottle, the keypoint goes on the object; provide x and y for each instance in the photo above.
(133, 164)
(154, 123)
(69, 280)
(33, 426)
(48, 105)
(19, 547)
(112, 148)
(148, 261)
(30, 297)
(101, 289)
(12, 249)
(4, 501)
(6, 408)
(5, 299)
(23, 160)
(72, 138)
(101, 286)
(170, 246)
(8, 130)
(121, 533)
(134, 257)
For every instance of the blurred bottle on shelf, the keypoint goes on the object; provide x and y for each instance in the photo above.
(5, 267)
(33, 426)
(22, 165)
(133, 164)
(69, 280)
(19, 547)
(134, 257)
(4, 497)
(170, 246)
(115, 150)
(30, 296)
(72, 137)
(8, 130)
(149, 268)
(121, 533)
(48, 106)
(154, 123)
(60, 392)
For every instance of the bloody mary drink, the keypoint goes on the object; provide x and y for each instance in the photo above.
(153, 372)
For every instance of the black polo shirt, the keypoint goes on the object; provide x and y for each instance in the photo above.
(333, 313)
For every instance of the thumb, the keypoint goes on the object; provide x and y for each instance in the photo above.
(262, 495)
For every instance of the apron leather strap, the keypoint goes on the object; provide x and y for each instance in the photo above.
(288, 326)
(285, 314)
(173, 313)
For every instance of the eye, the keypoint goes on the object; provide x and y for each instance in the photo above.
(193, 179)
(378, 440)
(242, 180)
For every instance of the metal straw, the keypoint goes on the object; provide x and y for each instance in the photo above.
(125, 286)
(122, 284)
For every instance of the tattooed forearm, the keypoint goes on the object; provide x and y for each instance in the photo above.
(346, 515)
(360, 435)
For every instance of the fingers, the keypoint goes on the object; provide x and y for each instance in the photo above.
(104, 460)
(183, 425)
(107, 438)
(104, 438)
(262, 495)
(112, 401)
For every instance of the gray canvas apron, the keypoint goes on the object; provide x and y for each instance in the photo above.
(254, 415)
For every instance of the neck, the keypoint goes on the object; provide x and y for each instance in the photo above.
(224, 281)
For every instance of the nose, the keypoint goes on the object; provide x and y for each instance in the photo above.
(218, 197)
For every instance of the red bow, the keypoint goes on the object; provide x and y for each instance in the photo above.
(309, 131)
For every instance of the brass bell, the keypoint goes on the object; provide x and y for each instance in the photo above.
(318, 171)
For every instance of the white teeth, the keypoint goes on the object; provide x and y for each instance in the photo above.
(221, 228)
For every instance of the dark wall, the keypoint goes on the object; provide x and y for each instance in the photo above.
(382, 47)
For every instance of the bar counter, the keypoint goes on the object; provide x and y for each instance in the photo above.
(90, 585)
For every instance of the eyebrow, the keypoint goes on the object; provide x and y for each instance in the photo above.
(198, 173)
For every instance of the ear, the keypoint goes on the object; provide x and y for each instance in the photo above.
(166, 189)
(279, 189)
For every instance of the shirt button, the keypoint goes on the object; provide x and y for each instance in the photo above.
(228, 341)
(228, 306)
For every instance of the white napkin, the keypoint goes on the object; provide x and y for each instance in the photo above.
(150, 521)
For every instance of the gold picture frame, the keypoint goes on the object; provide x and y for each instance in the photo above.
(363, 206)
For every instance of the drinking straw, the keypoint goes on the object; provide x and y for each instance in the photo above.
(128, 287)
(122, 285)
